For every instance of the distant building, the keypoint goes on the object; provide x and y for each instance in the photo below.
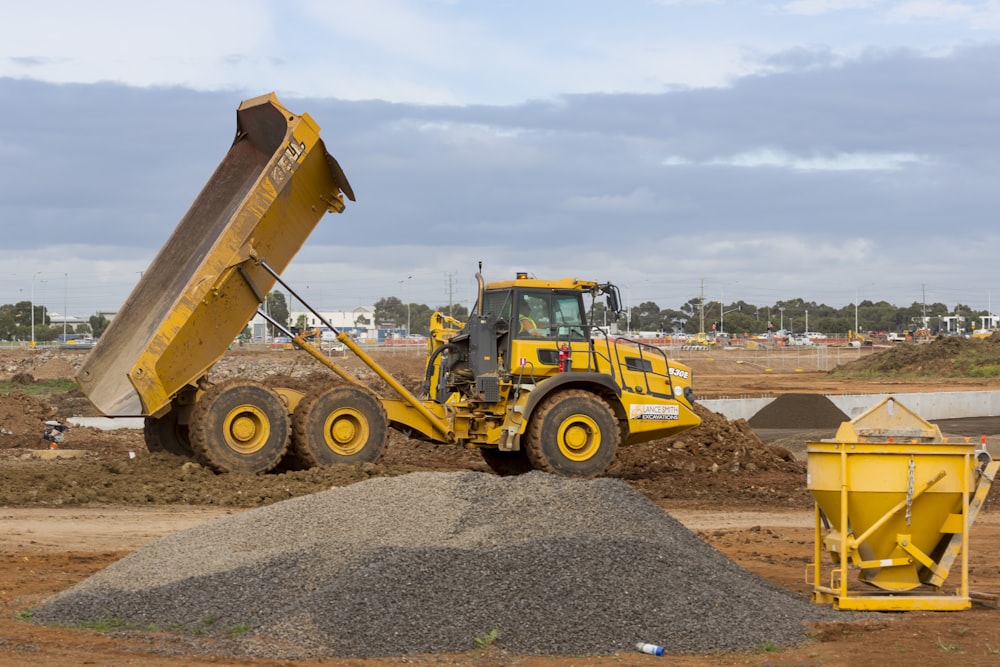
(953, 323)
(57, 320)
(359, 322)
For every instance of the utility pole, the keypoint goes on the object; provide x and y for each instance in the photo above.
(701, 310)
(923, 301)
(451, 307)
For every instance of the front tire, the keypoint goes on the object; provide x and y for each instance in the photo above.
(340, 425)
(573, 434)
(239, 426)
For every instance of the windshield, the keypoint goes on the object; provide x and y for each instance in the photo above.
(551, 315)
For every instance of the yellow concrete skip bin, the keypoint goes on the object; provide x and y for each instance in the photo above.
(894, 504)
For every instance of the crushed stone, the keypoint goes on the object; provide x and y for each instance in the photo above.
(429, 562)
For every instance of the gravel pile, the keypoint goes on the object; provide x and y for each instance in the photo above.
(812, 411)
(429, 562)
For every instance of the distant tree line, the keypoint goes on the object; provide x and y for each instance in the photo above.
(16, 323)
(391, 312)
(738, 317)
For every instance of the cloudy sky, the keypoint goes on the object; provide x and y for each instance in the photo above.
(759, 150)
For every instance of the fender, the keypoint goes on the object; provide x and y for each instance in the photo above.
(543, 389)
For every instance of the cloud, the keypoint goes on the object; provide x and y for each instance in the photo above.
(820, 7)
(838, 162)
(805, 181)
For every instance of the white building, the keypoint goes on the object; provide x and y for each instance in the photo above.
(57, 320)
(359, 322)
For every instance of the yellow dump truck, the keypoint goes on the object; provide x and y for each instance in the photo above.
(522, 380)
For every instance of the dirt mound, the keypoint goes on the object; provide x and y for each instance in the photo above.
(799, 411)
(55, 367)
(22, 420)
(719, 444)
(42, 364)
(945, 356)
(720, 459)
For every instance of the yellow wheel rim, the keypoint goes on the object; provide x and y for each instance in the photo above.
(579, 438)
(247, 429)
(346, 431)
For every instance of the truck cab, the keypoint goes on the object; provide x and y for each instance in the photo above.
(527, 349)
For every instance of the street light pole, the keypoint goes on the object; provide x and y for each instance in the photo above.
(855, 311)
(402, 283)
(722, 318)
(65, 302)
(33, 308)
(628, 310)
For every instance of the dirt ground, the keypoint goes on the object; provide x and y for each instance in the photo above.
(62, 519)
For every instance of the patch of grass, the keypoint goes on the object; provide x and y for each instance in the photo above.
(102, 624)
(769, 647)
(949, 648)
(25, 615)
(238, 630)
(488, 639)
(987, 371)
(39, 387)
(206, 625)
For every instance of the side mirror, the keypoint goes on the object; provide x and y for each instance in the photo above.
(613, 304)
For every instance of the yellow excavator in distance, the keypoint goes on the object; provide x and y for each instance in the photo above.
(523, 381)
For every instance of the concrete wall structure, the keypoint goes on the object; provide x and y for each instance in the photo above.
(929, 405)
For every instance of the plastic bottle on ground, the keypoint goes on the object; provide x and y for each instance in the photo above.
(651, 649)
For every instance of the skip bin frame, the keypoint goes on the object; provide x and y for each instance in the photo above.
(854, 456)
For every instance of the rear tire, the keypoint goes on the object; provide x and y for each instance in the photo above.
(165, 434)
(573, 434)
(506, 464)
(340, 425)
(239, 426)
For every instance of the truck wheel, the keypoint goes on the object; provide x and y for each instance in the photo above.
(164, 434)
(506, 464)
(239, 426)
(340, 425)
(574, 434)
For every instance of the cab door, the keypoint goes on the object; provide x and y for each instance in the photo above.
(548, 333)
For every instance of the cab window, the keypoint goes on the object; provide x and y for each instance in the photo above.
(550, 315)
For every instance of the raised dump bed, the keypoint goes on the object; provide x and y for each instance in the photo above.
(207, 282)
(894, 502)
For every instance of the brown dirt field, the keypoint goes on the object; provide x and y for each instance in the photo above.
(63, 519)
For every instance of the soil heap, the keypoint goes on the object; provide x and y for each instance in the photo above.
(428, 562)
(22, 420)
(800, 411)
(945, 356)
